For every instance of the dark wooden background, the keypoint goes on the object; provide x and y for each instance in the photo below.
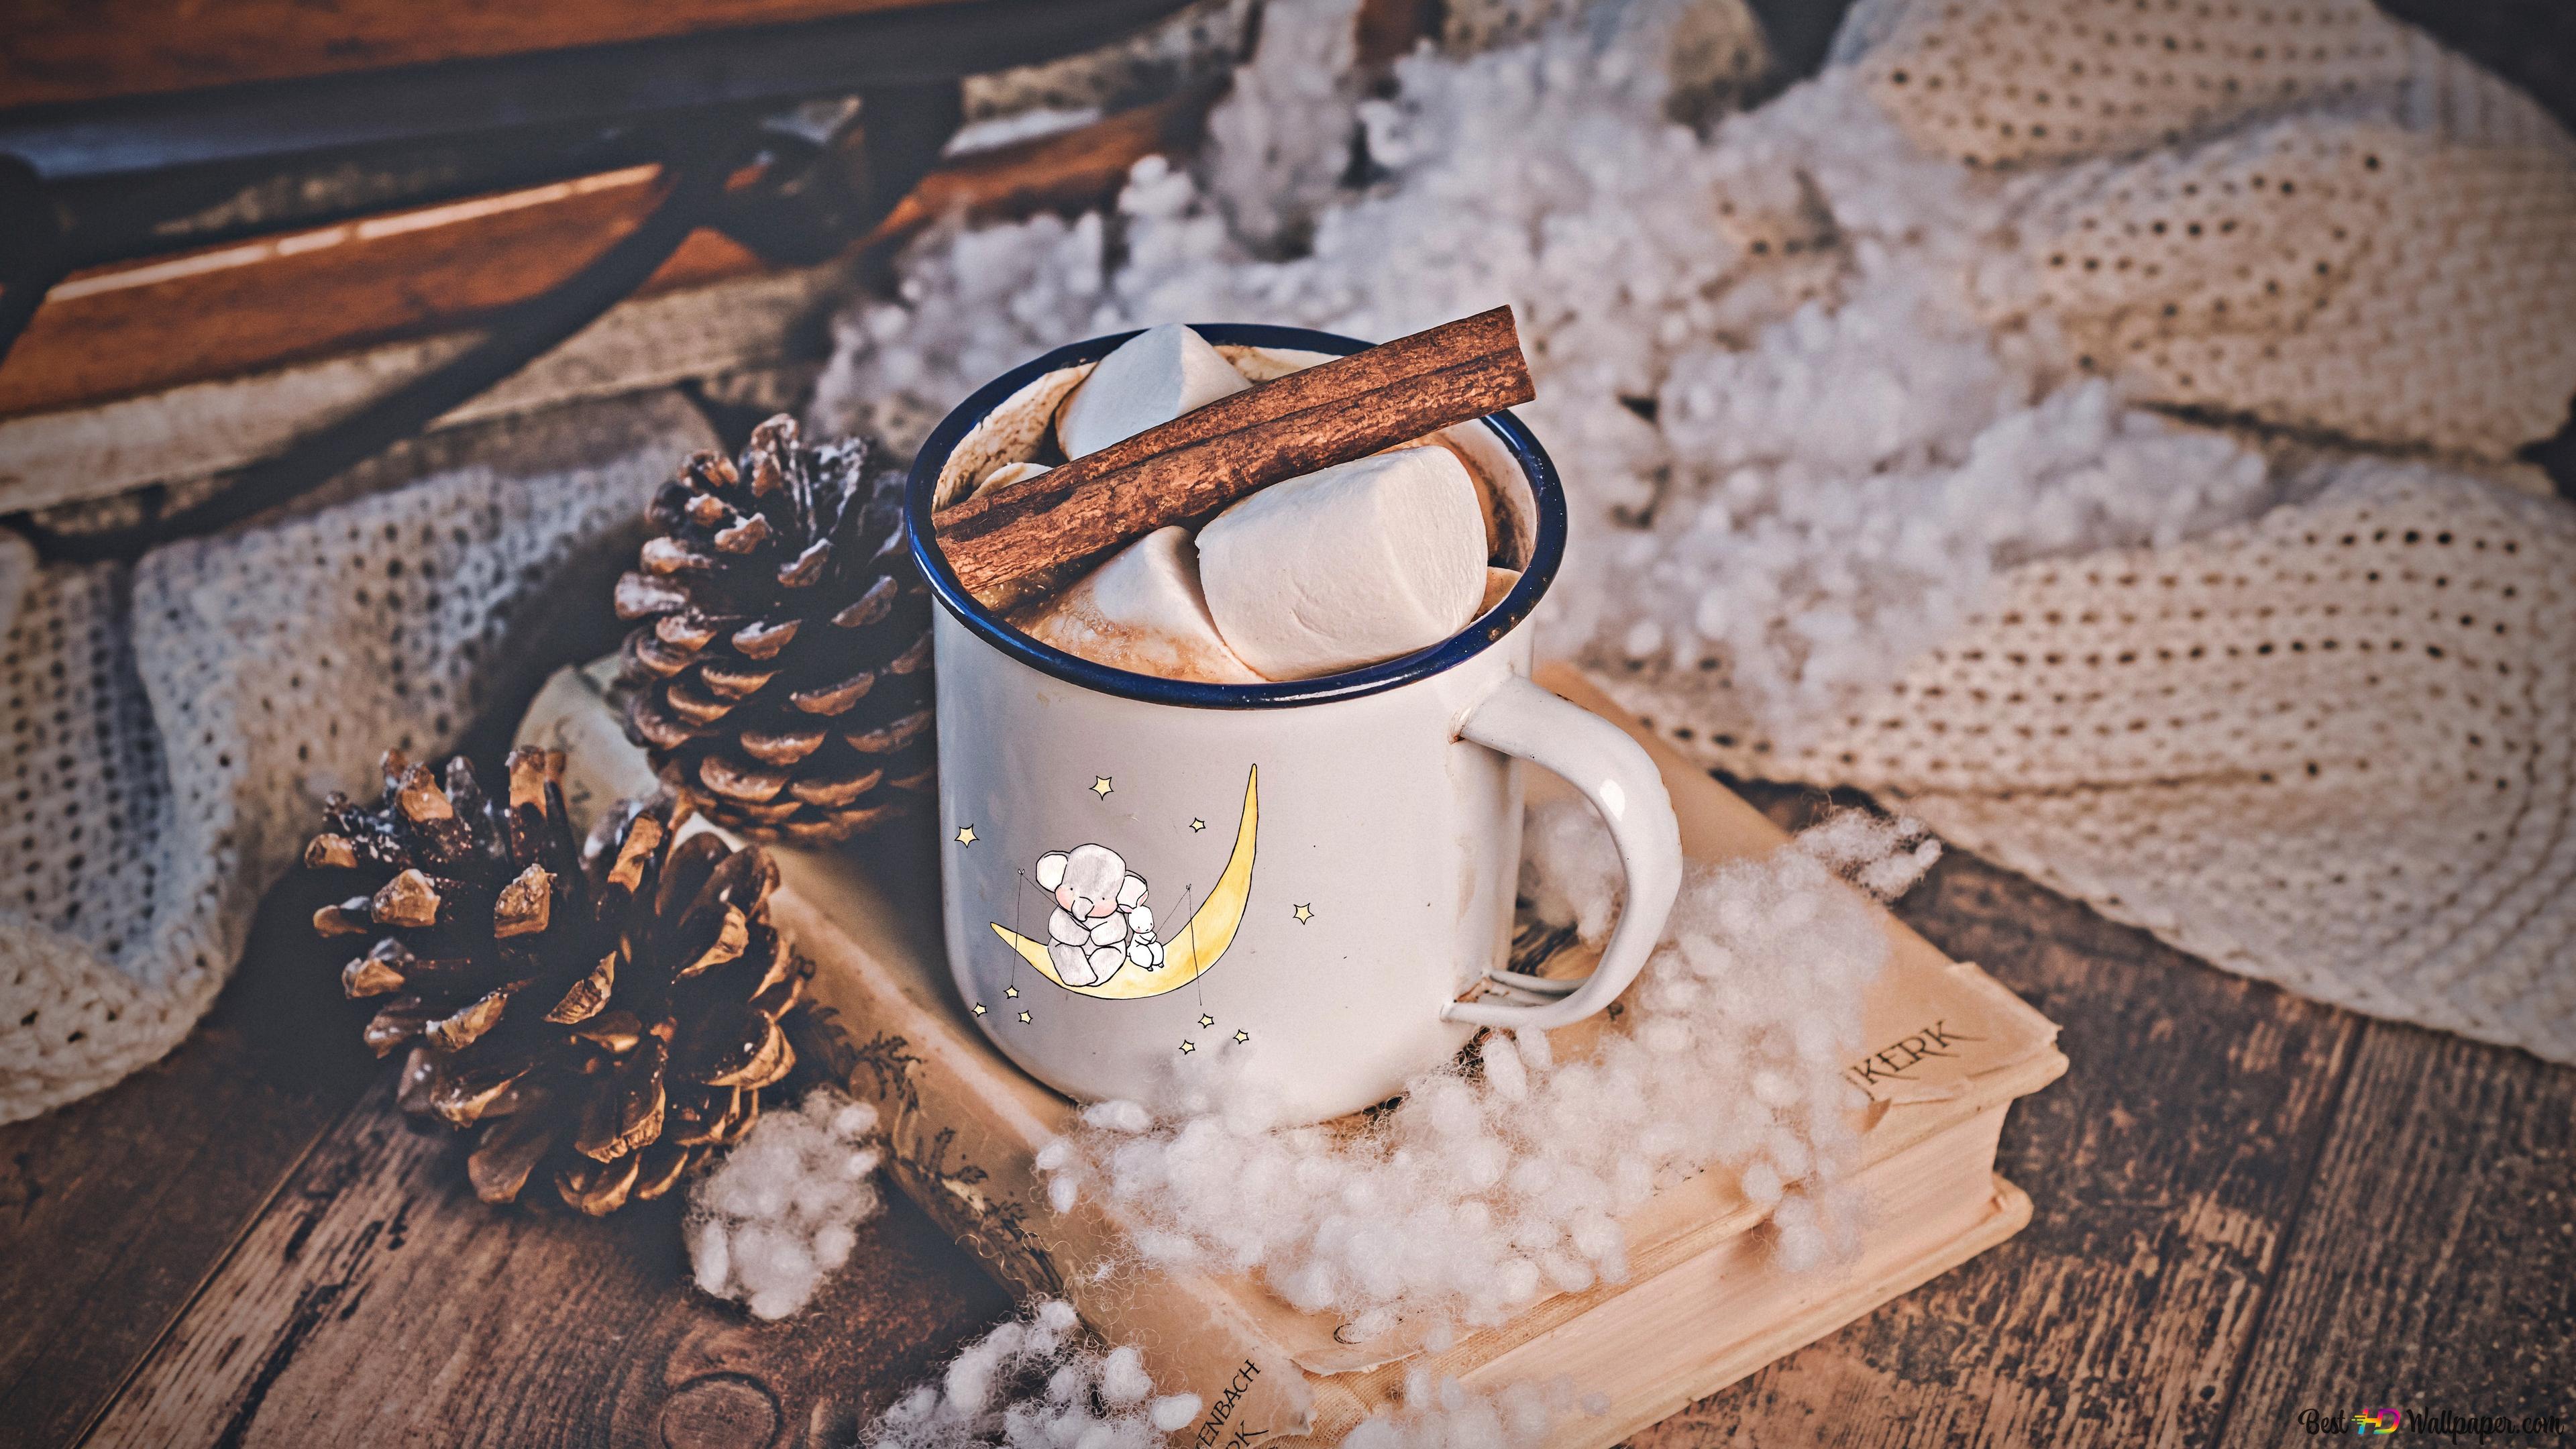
(2248, 1205)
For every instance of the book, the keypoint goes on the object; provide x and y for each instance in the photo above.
(1947, 1052)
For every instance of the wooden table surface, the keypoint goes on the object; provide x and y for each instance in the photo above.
(2248, 1205)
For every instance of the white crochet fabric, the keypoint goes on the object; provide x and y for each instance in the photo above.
(2334, 275)
(2328, 748)
(2004, 84)
(2342, 227)
(2335, 748)
(171, 725)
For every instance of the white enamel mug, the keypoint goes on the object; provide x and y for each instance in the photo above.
(1310, 883)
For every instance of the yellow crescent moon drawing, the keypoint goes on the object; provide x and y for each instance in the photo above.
(1192, 949)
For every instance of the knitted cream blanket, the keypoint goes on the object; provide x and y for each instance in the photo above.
(2012, 283)
(2334, 749)
(2330, 748)
(167, 727)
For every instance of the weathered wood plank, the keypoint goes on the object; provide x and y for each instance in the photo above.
(213, 324)
(2434, 1267)
(379, 1301)
(113, 1210)
(73, 50)
(2166, 1167)
(114, 331)
(208, 427)
(121, 331)
(1070, 170)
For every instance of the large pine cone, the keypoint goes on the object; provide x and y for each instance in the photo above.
(779, 670)
(602, 1016)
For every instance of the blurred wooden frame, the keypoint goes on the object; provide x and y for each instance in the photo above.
(119, 331)
(202, 360)
(59, 51)
(206, 360)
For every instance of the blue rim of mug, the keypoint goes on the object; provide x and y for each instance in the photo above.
(1547, 547)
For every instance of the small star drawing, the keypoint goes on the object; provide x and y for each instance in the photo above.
(1010, 991)
(1100, 786)
(1304, 914)
(1024, 1017)
(1242, 1036)
(1206, 1020)
(1198, 825)
(979, 1008)
(1188, 1046)
(966, 835)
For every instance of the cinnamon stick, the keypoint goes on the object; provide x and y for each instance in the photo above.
(1203, 460)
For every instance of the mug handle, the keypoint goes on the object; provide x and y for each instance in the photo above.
(1616, 774)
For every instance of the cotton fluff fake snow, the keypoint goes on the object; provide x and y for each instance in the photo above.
(1844, 486)
(1446, 1414)
(781, 1213)
(1033, 1384)
(1796, 390)
(1487, 1188)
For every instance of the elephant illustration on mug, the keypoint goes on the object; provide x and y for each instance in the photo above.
(1101, 923)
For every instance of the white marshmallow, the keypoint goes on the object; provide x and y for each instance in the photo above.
(1151, 379)
(1348, 566)
(1007, 474)
(1492, 507)
(1142, 611)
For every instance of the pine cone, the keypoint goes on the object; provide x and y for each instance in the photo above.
(603, 1015)
(779, 670)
